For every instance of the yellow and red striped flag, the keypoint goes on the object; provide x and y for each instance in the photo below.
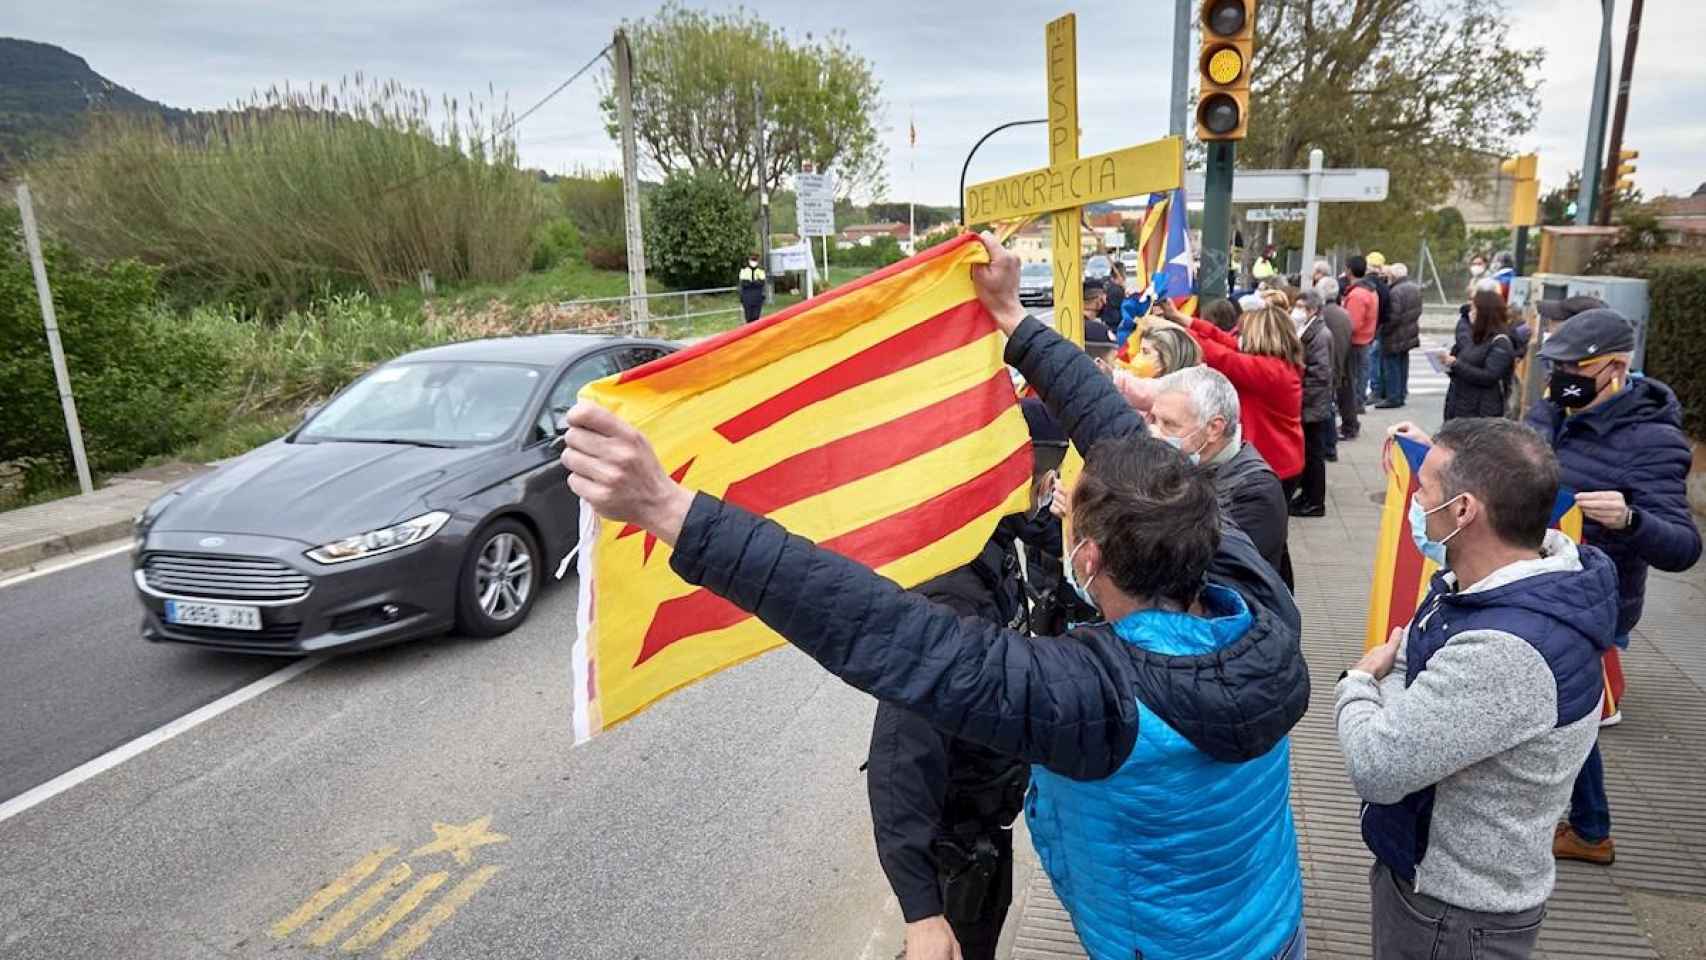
(877, 419)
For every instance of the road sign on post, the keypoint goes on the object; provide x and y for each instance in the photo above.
(814, 204)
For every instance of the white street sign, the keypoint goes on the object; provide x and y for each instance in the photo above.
(814, 204)
(1276, 214)
(1352, 185)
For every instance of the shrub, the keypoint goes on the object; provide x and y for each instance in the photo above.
(144, 385)
(697, 231)
(292, 193)
(882, 251)
(555, 241)
(594, 202)
(1676, 338)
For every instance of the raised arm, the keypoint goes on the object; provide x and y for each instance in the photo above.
(1066, 703)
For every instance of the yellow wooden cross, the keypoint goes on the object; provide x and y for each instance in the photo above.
(1069, 182)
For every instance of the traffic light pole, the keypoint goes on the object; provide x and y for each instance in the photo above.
(1614, 155)
(1588, 194)
(1217, 219)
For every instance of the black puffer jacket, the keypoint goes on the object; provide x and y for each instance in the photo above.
(923, 783)
(1069, 703)
(1405, 331)
(1252, 497)
(1480, 378)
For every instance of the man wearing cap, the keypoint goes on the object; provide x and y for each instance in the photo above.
(1620, 446)
(1099, 341)
(1376, 280)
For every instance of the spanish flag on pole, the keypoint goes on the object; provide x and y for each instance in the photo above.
(877, 419)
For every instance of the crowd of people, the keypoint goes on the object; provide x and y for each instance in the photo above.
(1142, 723)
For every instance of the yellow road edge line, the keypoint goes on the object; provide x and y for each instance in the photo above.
(362, 903)
(379, 926)
(439, 912)
(329, 893)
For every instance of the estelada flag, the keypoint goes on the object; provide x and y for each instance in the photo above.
(1401, 573)
(877, 419)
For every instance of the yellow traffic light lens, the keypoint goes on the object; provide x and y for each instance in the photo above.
(1219, 114)
(1224, 65)
(1224, 17)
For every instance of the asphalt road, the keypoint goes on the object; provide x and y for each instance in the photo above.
(421, 801)
(77, 680)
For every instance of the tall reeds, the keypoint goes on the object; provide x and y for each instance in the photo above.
(295, 192)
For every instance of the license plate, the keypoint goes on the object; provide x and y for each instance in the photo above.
(222, 615)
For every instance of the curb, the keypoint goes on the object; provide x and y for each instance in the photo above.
(28, 554)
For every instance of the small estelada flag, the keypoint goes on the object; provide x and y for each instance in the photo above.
(1401, 573)
(877, 419)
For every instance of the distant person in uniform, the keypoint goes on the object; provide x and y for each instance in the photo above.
(752, 288)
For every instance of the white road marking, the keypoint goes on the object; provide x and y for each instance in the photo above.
(153, 738)
(76, 560)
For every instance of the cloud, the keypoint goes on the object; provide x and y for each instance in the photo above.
(957, 68)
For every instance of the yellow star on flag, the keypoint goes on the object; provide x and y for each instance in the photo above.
(460, 841)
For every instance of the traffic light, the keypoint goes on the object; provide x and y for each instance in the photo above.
(1525, 196)
(1621, 181)
(1228, 32)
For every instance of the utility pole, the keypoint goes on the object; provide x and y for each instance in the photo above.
(1589, 192)
(1312, 219)
(61, 374)
(1614, 153)
(641, 314)
(1181, 66)
(763, 193)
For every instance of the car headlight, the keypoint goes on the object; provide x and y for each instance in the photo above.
(383, 540)
(145, 520)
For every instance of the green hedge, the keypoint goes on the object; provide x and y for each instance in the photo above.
(697, 231)
(1676, 332)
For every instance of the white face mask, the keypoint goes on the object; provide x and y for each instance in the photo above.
(1476, 269)
(1300, 317)
(1178, 443)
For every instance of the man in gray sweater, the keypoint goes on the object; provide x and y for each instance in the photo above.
(1464, 732)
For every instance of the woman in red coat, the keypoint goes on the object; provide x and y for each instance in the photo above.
(1264, 361)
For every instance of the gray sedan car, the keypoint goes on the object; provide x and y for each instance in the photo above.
(425, 497)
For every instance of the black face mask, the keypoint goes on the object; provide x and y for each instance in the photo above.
(1572, 391)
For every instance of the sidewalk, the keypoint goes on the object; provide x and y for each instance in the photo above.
(31, 535)
(1651, 904)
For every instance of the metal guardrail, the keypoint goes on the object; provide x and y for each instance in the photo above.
(629, 321)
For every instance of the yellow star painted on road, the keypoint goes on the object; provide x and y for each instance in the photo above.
(460, 841)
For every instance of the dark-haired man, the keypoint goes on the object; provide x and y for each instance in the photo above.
(1176, 844)
(1464, 732)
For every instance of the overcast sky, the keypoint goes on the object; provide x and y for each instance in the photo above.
(960, 69)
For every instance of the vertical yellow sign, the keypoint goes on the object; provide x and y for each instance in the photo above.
(1061, 40)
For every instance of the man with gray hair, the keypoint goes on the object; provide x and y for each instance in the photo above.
(1196, 410)
(1400, 336)
(1463, 732)
(1322, 269)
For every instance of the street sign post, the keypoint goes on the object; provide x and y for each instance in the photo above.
(1311, 187)
(814, 211)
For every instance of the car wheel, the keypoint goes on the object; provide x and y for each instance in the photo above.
(500, 579)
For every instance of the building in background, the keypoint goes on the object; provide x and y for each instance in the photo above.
(863, 234)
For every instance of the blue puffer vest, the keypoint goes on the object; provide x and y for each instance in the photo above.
(1176, 855)
(1566, 616)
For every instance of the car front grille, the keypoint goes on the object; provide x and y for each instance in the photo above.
(272, 636)
(223, 578)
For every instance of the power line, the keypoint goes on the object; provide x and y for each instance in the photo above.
(498, 134)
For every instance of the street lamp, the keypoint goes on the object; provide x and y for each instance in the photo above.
(967, 165)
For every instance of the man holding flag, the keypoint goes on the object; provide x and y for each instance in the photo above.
(1156, 850)
(1464, 731)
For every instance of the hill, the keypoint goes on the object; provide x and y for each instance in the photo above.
(46, 91)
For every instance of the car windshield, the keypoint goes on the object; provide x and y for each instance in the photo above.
(1036, 271)
(428, 404)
